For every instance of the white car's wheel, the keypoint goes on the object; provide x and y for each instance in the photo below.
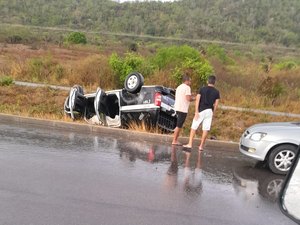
(281, 158)
(134, 82)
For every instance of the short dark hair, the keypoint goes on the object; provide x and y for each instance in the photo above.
(185, 78)
(211, 79)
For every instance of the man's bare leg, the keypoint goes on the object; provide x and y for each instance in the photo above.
(203, 139)
(192, 135)
(176, 135)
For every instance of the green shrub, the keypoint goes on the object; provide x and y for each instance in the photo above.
(183, 60)
(76, 38)
(197, 69)
(130, 63)
(287, 65)
(171, 56)
(6, 81)
(219, 52)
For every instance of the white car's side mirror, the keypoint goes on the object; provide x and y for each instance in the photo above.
(290, 195)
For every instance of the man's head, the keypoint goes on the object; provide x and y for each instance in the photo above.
(211, 79)
(186, 79)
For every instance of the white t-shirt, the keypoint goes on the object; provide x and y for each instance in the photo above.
(181, 103)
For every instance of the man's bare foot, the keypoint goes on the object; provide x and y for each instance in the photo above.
(200, 149)
(176, 143)
(186, 146)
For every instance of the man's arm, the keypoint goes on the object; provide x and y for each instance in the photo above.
(188, 94)
(190, 98)
(216, 105)
(197, 101)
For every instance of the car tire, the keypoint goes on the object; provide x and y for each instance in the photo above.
(270, 186)
(134, 82)
(281, 158)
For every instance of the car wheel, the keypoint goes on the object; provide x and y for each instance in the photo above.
(281, 158)
(134, 82)
(270, 186)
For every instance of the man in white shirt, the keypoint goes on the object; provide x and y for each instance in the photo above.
(183, 98)
(207, 101)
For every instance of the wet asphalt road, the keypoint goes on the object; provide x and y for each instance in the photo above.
(52, 177)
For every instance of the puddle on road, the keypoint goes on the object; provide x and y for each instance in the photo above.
(192, 173)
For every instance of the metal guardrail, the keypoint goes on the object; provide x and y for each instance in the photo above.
(29, 84)
(260, 111)
(21, 83)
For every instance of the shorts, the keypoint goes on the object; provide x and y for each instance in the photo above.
(205, 117)
(181, 116)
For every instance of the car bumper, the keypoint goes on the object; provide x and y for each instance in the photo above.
(255, 149)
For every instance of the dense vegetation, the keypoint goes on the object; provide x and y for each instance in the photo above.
(243, 21)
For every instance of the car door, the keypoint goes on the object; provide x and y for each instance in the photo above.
(107, 107)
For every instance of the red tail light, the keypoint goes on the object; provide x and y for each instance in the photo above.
(157, 99)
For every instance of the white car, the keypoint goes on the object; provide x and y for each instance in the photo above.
(136, 103)
(275, 143)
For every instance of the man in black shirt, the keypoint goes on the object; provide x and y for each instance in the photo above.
(206, 104)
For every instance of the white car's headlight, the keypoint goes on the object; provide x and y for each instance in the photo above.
(257, 136)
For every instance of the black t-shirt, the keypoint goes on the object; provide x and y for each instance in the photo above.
(208, 97)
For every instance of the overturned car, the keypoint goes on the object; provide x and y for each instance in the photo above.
(134, 104)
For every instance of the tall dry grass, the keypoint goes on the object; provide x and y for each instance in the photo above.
(93, 71)
(43, 69)
(161, 77)
(246, 84)
(142, 126)
(34, 102)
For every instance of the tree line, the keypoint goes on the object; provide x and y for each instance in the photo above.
(242, 21)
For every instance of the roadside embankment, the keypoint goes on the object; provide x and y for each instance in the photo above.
(114, 132)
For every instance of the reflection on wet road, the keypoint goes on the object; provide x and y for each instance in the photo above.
(53, 177)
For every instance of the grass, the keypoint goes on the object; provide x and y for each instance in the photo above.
(143, 127)
(35, 102)
(5, 81)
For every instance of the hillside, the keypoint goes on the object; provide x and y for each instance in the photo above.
(242, 21)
